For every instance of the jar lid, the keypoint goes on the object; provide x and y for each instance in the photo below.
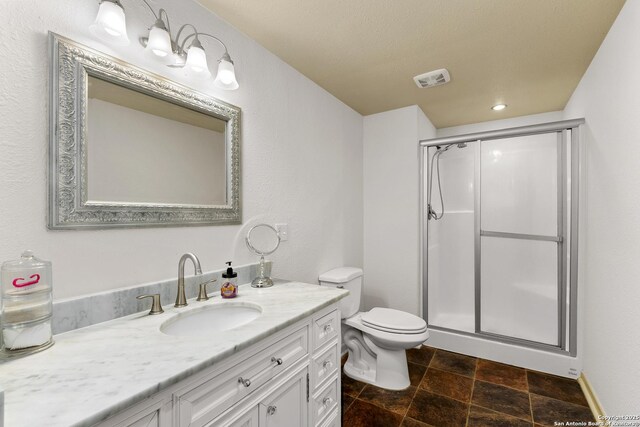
(27, 261)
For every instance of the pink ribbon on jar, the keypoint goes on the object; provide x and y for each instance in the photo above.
(35, 278)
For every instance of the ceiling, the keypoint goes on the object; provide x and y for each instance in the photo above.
(528, 54)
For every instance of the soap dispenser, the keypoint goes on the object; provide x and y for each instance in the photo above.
(229, 287)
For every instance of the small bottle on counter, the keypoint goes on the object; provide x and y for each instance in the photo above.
(26, 306)
(229, 288)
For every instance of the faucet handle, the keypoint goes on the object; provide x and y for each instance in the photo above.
(202, 296)
(156, 307)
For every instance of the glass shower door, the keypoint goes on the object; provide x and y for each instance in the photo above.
(519, 274)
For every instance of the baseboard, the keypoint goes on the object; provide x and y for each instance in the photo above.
(592, 398)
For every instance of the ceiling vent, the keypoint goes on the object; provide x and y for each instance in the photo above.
(433, 78)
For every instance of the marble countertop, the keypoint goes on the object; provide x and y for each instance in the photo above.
(94, 372)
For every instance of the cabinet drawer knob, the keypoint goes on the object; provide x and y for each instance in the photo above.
(277, 361)
(327, 327)
(327, 401)
(244, 382)
(326, 364)
(271, 410)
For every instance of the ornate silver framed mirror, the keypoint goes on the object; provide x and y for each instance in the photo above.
(263, 239)
(129, 148)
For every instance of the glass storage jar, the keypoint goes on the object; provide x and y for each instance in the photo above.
(26, 305)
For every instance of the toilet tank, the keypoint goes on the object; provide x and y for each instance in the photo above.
(349, 278)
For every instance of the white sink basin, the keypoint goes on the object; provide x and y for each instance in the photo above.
(211, 319)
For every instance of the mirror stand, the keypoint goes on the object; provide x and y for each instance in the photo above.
(264, 271)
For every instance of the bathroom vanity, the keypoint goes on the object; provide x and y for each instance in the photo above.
(281, 368)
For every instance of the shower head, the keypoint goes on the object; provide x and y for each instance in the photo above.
(449, 146)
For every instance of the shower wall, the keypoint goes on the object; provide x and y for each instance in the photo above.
(451, 243)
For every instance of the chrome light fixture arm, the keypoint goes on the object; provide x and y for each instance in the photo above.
(165, 20)
(198, 34)
(195, 34)
(158, 16)
(155, 15)
(179, 49)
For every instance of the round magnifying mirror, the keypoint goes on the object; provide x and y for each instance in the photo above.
(263, 239)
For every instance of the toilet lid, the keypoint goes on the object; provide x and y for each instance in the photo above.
(390, 320)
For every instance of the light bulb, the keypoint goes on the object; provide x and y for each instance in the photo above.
(110, 24)
(226, 77)
(499, 107)
(196, 64)
(159, 42)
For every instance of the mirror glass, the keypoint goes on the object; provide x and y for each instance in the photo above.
(263, 239)
(145, 150)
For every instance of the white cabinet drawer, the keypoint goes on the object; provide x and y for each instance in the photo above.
(324, 402)
(325, 329)
(203, 403)
(324, 366)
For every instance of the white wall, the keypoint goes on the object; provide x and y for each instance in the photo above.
(301, 158)
(609, 98)
(391, 217)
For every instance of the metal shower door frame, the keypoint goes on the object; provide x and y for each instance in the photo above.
(567, 283)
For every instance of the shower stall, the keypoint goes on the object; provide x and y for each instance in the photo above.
(500, 244)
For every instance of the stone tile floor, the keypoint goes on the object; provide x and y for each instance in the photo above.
(450, 389)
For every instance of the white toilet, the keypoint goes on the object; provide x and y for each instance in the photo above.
(376, 339)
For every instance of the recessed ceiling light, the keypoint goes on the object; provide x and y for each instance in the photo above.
(499, 107)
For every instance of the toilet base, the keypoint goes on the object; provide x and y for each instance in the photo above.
(363, 375)
(388, 369)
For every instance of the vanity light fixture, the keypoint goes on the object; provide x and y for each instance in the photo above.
(499, 107)
(187, 54)
(159, 41)
(196, 59)
(226, 77)
(110, 24)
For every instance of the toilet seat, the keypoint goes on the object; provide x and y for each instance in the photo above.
(387, 338)
(393, 321)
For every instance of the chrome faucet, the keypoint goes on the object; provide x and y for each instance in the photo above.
(181, 298)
